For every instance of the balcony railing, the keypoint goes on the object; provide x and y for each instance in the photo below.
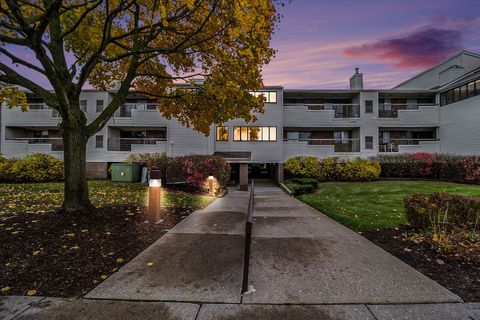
(393, 144)
(42, 106)
(125, 144)
(340, 110)
(340, 145)
(125, 110)
(390, 110)
(56, 143)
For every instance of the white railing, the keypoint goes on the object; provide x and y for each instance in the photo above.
(125, 144)
(125, 110)
(393, 145)
(343, 110)
(42, 106)
(340, 145)
(390, 110)
(56, 143)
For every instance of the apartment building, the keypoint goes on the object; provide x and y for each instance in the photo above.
(436, 111)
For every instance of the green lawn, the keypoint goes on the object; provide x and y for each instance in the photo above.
(373, 205)
(38, 197)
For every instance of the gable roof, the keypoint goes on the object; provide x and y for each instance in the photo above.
(439, 64)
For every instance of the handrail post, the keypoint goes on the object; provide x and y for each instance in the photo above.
(248, 239)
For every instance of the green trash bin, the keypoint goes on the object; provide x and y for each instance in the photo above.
(124, 172)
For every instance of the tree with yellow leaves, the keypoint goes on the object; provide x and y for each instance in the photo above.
(141, 45)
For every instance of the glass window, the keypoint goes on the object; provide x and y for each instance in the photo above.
(443, 99)
(369, 142)
(244, 134)
(463, 92)
(449, 96)
(368, 106)
(236, 134)
(292, 135)
(83, 105)
(222, 134)
(99, 141)
(273, 134)
(471, 89)
(99, 106)
(265, 133)
(456, 94)
(255, 134)
(477, 87)
(305, 136)
(269, 96)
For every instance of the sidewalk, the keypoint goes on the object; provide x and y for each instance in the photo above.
(303, 265)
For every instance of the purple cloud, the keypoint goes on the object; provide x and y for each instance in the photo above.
(422, 48)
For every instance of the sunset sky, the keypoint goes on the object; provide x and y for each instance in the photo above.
(320, 43)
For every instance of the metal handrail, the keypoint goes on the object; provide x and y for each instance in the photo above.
(248, 239)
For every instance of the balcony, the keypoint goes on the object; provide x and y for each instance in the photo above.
(138, 113)
(320, 148)
(426, 114)
(409, 146)
(21, 147)
(319, 114)
(137, 145)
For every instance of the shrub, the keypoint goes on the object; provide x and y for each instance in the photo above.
(333, 169)
(194, 169)
(307, 167)
(298, 189)
(37, 168)
(432, 166)
(305, 181)
(440, 210)
(358, 170)
(5, 169)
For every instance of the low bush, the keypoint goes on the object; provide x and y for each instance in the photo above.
(298, 189)
(333, 169)
(36, 168)
(5, 167)
(194, 169)
(441, 210)
(432, 166)
(305, 181)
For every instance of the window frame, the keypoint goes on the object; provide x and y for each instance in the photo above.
(368, 144)
(243, 133)
(368, 106)
(218, 132)
(99, 141)
(97, 110)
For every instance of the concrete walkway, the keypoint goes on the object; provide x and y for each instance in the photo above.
(303, 266)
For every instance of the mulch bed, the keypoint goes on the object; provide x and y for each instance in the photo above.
(68, 255)
(459, 275)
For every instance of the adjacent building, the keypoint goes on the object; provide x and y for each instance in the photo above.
(436, 111)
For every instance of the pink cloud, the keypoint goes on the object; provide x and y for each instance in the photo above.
(419, 49)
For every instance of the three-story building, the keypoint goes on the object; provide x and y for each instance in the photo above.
(435, 111)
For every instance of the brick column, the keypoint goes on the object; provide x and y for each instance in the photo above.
(243, 176)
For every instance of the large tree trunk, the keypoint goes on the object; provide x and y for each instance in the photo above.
(75, 149)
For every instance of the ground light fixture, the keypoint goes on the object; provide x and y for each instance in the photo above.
(154, 200)
(211, 180)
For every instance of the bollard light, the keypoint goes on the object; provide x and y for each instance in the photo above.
(154, 200)
(211, 180)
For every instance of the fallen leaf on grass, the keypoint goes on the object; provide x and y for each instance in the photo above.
(36, 252)
(119, 260)
(103, 277)
(5, 289)
(407, 249)
(75, 247)
(440, 262)
(149, 264)
(70, 234)
(31, 292)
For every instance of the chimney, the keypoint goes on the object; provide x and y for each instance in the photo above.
(356, 81)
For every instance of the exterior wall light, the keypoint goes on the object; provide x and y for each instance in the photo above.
(154, 200)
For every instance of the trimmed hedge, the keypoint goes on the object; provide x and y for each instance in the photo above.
(445, 167)
(32, 168)
(431, 210)
(333, 169)
(298, 189)
(303, 181)
(194, 169)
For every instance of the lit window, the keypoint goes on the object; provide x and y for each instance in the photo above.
(254, 133)
(222, 134)
(269, 96)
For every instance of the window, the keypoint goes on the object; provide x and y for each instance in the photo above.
(463, 92)
(222, 134)
(99, 141)
(471, 89)
(83, 105)
(269, 96)
(99, 106)
(254, 133)
(460, 93)
(368, 142)
(368, 106)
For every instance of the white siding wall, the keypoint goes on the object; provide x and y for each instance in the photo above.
(459, 130)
